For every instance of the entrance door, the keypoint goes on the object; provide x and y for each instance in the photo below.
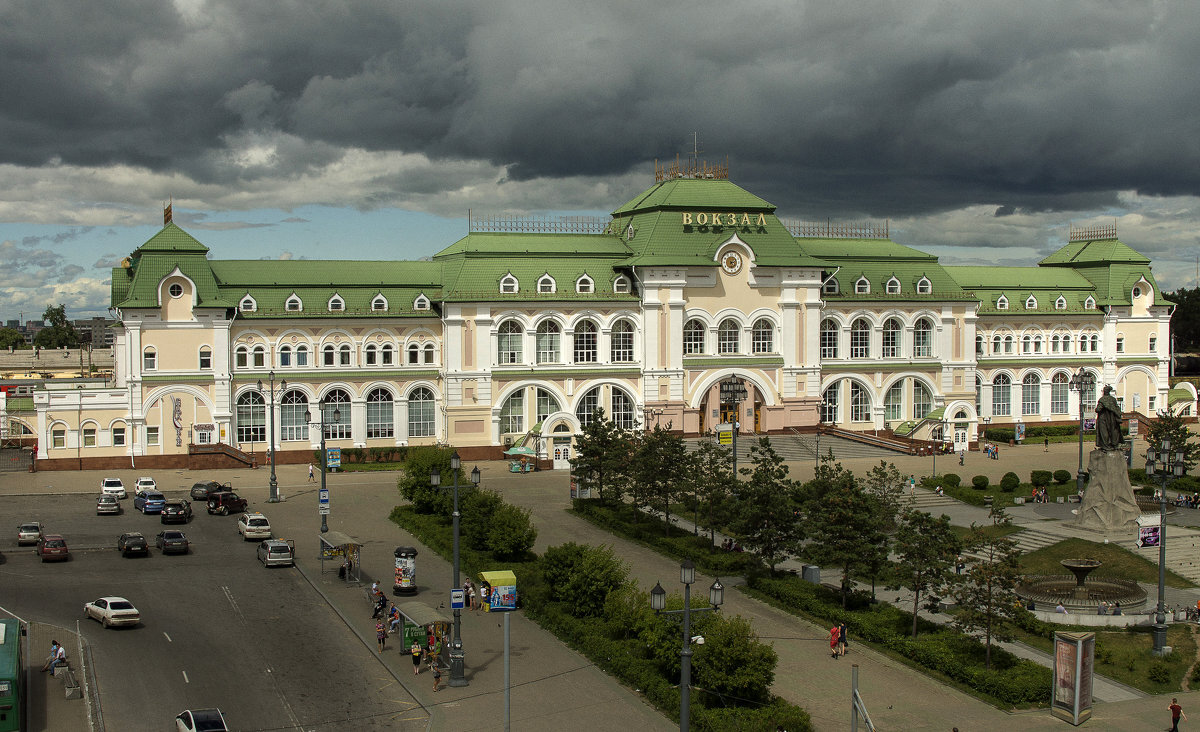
(960, 439)
(562, 453)
(729, 413)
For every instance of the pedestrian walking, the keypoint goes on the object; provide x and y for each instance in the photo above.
(416, 656)
(842, 634)
(833, 641)
(1047, 445)
(469, 593)
(437, 676)
(311, 477)
(380, 634)
(1176, 713)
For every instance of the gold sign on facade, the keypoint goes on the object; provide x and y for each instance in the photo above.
(716, 218)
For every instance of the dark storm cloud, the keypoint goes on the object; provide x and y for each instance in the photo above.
(825, 108)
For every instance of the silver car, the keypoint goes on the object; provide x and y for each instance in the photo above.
(29, 532)
(277, 553)
(107, 503)
(113, 487)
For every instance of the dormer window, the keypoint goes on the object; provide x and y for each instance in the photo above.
(336, 303)
(584, 285)
(1002, 303)
(379, 303)
(1031, 303)
(831, 287)
(893, 286)
(1060, 303)
(1137, 292)
(294, 304)
(546, 285)
(421, 303)
(1090, 303)
(621, 284)
(862, 286)
(509, 284)
(247, 305)
(924, 286)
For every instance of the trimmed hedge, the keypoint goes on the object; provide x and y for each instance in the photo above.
(952, 480)
(1009, 482)
(1040, 478)
(980, 482)
(1062, 477)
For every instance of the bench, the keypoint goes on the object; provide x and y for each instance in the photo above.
(70, 683)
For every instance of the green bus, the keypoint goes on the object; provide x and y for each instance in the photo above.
(12, 676)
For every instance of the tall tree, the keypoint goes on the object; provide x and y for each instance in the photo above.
(659, 466)
(844, 525)
(602, 456)
(713, 481)
(926, 549)
(765, 519)
(11, 338)
(987, 595)
(1167, 426)
(1185, 319)
(886, 484)
(59, 334)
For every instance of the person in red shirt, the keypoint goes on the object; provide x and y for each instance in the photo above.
(834, 633)
(1176, 713)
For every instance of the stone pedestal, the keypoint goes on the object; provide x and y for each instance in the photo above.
(1108, 503)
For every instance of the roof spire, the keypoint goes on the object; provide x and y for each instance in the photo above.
(167, 211)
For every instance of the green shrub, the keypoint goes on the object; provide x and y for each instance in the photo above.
(1009, 482)
(1159, 672)
(1040, 478)
(511, 533)
(952, 480)
(980, 482)
(1062, 477)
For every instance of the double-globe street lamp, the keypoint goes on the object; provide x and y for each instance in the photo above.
(1165, 464)
(458, 675)
(658, 603)
(1083, 381)
(274, 497)
(337, 417)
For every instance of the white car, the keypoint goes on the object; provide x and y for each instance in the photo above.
(29, 533)
(201, 720)
(145, 484)
(254, 526)
(112, 611)
(113, 487)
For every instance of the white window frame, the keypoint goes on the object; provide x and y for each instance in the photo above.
(294, 304)
(546, 285)
(1031, 303)
(1089, 303)
(248, 304)
(831, 286)
(585, 285)
(924, 286)
(1060, 303)
(379, 302)
(509, 284)
(1002, 303)
(621, 285)
(336, 304)
(862, 286)
(893, 286)
(421, 302)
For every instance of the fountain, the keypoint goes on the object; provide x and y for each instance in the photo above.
(1079, 594)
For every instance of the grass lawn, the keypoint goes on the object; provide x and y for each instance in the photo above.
(1124, 655)
(991, 531)
(968, 494)
(1117, 562)
(370, 467)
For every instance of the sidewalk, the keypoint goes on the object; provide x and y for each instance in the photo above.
(49, 707)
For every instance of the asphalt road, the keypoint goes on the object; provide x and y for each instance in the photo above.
(218, 629)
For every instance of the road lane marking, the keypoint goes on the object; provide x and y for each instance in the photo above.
(185, 678)
(167, 637)
(229, 596)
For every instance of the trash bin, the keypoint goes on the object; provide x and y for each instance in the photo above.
(811, 573)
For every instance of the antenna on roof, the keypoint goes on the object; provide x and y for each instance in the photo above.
(167, 211)
(695, 148)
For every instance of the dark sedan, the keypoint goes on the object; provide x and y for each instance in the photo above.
(176, 512)
(205, 488)
(172, 541)
(133, 543)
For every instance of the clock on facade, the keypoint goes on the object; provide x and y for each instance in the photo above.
(731, 262)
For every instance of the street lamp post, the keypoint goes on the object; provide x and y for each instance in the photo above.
(1165, 464)
(1082, 381)
(337, 418)
(274, 496)
(458, 675)
(658, 603)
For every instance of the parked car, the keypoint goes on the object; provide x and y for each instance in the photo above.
(29, 532)
(107, 503)
(201, 720)
(149, 501)
(112, 611)
(254, 526)
(176, 512)
(226, 503)
(145, 484)
(133, 543)
(205, 488)
(53, 548)
(277, 553)
(172, 541)
(113, 486)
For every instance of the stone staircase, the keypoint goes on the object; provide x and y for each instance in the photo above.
(1028, 540)
(926, 500)
(804, 447)
(1183, 551)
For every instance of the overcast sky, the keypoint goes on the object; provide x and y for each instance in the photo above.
(367, 128)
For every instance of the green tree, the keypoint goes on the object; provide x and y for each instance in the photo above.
(926, 549)
(659, 466)
(59, 334)
(414, 486)
(583, 576)
(1167, 426)
(1185, 318)
(733, 662)
(987, 595)
(511, 534)
(713, 481)
(886, 484)
(11, 338)
(845, 526)
(765, 518)
(477, 507)
(602, 452)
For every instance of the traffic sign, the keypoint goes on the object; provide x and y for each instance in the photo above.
(323, 496)
(323, 509)
(456, 599)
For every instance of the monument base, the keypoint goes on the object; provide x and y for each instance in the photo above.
(1108, 503)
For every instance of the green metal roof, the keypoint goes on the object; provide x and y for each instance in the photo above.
(1017, 284)
(695, 194)
(1175, 396)
(1103, 251)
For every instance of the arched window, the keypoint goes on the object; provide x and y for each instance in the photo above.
(1054, 344)
(547, 342)
(328, 355)
(893, 286)
(763, 336)
(421, 411)
(1031, 303)
(421, 303)
(429, 353)
(508, 342)
(831, 287)
(622, 409)
(996, 344)
(860, 339)
(387, 354)
(337, 400)
(728, 336)
(546, 285)
(292, 422)
(301, 355)
(829, 338)
(1060, 303)
(371, 355)
(978, 395)
(1095, 340)
(585, 285)
(248, 304)
(547, 404)
(922, 400)
(414, 354)
(693, 337)
(1026, 344)
(1002, 303)
(1008, 344)
(621, 345)
(891, 338)
(379, 414)
(285, 356)
(1090, 303)
(893, 402)
(860, 403)
(379, 302)
(509, 284)
(205, 358)
(251, 418)
(923, 339)
(924, 286)
(979, 345)
(336, 303)
(241, 357)
(1060, 398)
(829, 403)
(1031, 395)
(294, 304)
(149, 359)
(621, 285)
(1001, 396)
(585, 412)
(344, 355)
(862, 286)
(585, 344)
(1037, 344)
(512, 413)
(259, 356)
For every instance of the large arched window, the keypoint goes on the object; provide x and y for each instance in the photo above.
(547, 342)
(922, 400)
(293, 426)
(923, 339)
(586, 411)
(891, 338)
(380, 413)
(763, 336)
(336, 400)
(622, 409)
(1031, 395)
(547, 404)
(1060, 394)
(621, 345)
(860, 403)
(893, 402)
(585, 342)
(829, 403)
(1001, 396)
(421, 411)
(728, 336)
(512, 413)
(860, 339)
(829, 338)
(693, 337)
(251, 418)
(508, 342)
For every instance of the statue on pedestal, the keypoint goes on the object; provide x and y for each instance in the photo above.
(1108, 422)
